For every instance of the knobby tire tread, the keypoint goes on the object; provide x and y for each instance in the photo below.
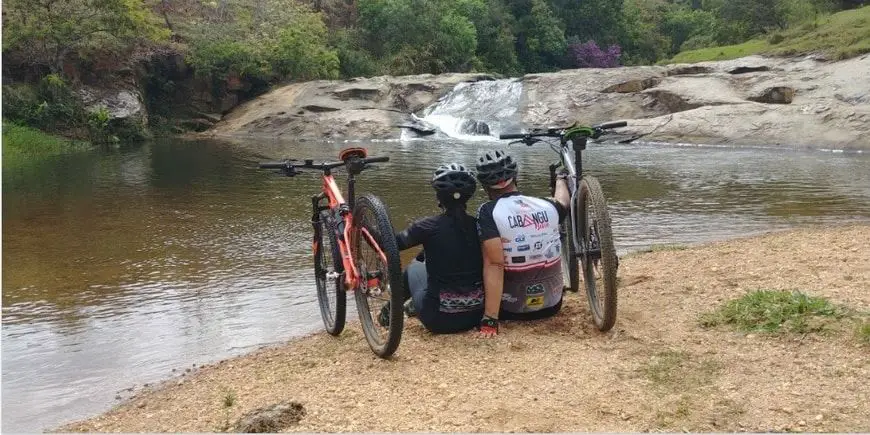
(325, 230)
(384, 235)
(609, 260)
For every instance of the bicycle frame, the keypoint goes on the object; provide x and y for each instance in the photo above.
(344, 220)
(573, 163)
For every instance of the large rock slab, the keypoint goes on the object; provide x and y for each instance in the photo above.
(356, 108)
(802, 102)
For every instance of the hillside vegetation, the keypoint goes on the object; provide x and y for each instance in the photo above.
(52, 47)
(839, 36)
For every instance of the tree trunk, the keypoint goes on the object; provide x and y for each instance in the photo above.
(164, 8)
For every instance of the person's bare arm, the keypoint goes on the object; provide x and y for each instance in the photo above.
(493, 277)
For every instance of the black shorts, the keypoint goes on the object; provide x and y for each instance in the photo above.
(534, 315)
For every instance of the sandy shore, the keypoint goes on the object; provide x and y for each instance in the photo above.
(656, 370)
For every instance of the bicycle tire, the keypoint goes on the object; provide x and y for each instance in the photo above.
(597, 229)
(332, 313)
(370, 213)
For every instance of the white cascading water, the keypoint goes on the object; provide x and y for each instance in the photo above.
(477, 110)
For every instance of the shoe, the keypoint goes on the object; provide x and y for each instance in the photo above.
(384, 316)
(409, 308)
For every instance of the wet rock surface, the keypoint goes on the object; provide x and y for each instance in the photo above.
(795, 102)
(357, 108)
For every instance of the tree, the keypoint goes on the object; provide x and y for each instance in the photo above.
(540, 34)
(417, 36)
(301, 52)
(598, 20)
(48, 31)
(682, 24)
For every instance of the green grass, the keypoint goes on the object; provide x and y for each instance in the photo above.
(677, 370)
(229, 399)
(864, 332)
(840, 36)
(775, 311)
(22, 143)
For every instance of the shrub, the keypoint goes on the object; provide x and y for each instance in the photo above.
(590, 55)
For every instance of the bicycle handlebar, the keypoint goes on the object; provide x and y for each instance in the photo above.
(290, 166)
(609, 125)
(558, 131)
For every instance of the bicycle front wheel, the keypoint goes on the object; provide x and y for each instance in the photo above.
(381, 292)
(598, 259)
(331, 295)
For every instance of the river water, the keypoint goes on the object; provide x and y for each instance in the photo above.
(120, 266)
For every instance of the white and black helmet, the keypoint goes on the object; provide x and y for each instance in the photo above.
(495, 168)
(453, 182)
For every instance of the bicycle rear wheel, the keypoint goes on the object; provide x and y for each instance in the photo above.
(381, 291)
(597, 253)
(331, 295)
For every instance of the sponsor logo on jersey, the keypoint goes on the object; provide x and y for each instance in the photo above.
(522, 204)
(538, 219)
(552, 251)
(518, 260)
(507, 297)
(535, 289)
(536, 257)
(508, 249)
(539, 245)
(534, 301)
(520, 238)
(522, 248)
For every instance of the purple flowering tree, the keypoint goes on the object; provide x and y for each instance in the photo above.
(589, 55)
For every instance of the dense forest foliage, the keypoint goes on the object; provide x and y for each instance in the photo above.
(51, 45)
(299, 40)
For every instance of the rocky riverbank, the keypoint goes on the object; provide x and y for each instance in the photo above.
(658, 369)
(790, 102)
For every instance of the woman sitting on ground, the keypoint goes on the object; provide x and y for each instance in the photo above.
(446, 290)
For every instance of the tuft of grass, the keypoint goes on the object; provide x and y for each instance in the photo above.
(774, 311)
(840, 36)
(22, 143)
(666, 248)
(677, 370)
(229, 399)
(864, 332)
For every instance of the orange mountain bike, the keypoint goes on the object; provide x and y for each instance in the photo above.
(354, 250)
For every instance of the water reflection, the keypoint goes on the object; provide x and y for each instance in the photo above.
(121, 265)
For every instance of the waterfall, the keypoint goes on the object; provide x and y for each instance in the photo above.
(476, 111)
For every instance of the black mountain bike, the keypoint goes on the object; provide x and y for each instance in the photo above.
(587, 238)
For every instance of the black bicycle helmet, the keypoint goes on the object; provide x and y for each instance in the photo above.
(453, 183)
(496, 167)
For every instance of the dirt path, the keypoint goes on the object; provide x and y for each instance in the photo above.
(657, 370)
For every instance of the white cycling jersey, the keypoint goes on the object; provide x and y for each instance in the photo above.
(529, 231)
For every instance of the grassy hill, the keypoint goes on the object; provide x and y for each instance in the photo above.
(839, 36)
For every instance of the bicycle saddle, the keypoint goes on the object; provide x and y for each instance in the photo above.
(349, 153)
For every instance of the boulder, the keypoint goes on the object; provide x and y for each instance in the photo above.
(128, 117)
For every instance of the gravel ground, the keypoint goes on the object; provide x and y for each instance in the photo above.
(657, 370)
